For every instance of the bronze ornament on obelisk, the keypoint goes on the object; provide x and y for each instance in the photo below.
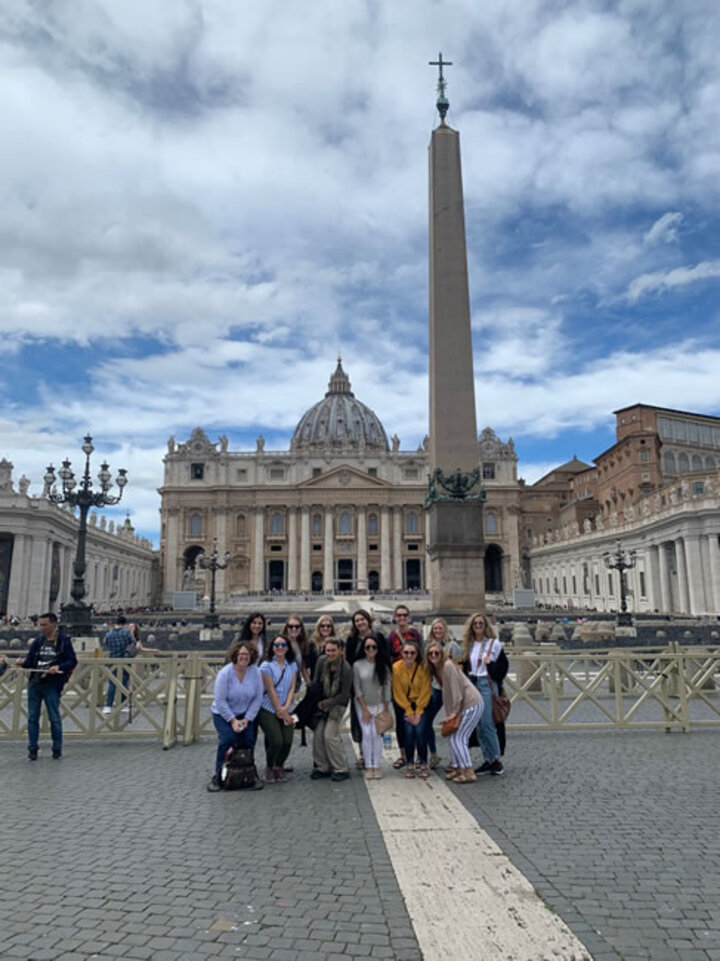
(455, 496)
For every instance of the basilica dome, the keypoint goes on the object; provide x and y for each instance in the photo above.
(339, 421)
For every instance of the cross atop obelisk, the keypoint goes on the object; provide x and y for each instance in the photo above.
(443, 104)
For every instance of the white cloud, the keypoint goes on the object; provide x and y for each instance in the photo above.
(665, 229)
(666, 279)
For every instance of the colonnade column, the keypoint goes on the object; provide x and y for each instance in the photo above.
(385, 581)
(173, 563)
(361, 551)
(714, 570)
(654, 600)
(666, 601)
(696, 590)
(17, 589)
(222, 545)
(292, 572)
(681, 560)
(397, 549)
(305, 583)
(329, 568)
(258, 573)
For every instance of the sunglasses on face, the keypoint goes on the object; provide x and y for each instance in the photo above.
(324, 627)
(478, 623)
(294, 627)
(409, 653)
(433, 653)
(280, 644)
(371, 647)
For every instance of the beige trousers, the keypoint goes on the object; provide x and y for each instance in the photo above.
(328, 750)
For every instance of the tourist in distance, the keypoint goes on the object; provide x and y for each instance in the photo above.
(483, 658)
(279, 673)
(411, 694)
(118, 642)
(373, 693)
(324, 629)
(239, 692)
(50, 660)
(360, 629)
(461, 701)
(137, 638)
(334, 676)
(254, 629)
(403, 631)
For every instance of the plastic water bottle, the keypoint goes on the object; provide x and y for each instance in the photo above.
(387, 740)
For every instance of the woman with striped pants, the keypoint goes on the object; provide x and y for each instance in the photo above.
(460, 699)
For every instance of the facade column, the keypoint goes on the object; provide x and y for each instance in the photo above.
(222, 545)
(385, 581)
(305, 578)
(361, 582)
(170, 573)
(329, 569)
(397, 549)
(258, 581)
(666, 602)
(292, 578)
(694, 571)
(684, 598)
(654, 599)
(17, 589)
(713, 542)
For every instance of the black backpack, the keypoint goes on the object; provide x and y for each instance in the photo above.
(238, 772)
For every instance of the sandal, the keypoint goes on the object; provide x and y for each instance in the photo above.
(423, 772)
(400, 762)
(452, 773)
(434, 761)
(466, 778)
(410, 773)
(360, 764)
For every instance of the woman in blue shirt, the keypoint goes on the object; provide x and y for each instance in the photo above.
(279, 673)
(238, 695)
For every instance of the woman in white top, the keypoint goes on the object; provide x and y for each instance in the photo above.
(372, 694)
(480, 649)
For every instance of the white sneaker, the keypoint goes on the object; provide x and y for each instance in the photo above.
(107, 710)
(125, 708)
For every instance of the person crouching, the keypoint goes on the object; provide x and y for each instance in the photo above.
(334, 675)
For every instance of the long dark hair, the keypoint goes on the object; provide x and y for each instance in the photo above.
(245, 633)
(382, 659)
(302, 638)
(354, 633)
(289, 652)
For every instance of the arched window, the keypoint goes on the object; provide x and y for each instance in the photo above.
(669, 462)
(277, 523)
(491, 524)
(697, 463)
(240, 525)
(345, 523)
(683, 463)
(710, 462)
(411, 523)
(373, 525)
(317, 524)
(195, 525)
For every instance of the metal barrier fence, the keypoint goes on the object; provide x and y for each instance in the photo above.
(169, 697)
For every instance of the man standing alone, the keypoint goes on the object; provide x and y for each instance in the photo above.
(50, 661)
(118, 642)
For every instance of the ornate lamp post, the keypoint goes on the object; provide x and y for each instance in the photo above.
(621, 561)
(77, 614)
(213, 564)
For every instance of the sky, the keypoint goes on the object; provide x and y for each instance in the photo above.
(205, 201)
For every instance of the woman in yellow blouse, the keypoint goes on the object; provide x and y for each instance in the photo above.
(411, 692)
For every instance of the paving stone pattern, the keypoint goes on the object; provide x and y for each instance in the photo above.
(620, 834)
(117, 851)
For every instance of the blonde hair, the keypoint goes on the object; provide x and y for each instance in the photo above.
(315, 639)
(489, 632)
(431, 667)
(446, 630)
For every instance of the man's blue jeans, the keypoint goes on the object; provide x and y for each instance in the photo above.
(486, 733)
(228, 738)
(50, 694)
(110, 700)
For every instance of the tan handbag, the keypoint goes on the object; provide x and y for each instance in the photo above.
(384, 721)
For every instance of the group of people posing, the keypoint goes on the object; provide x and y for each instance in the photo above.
(395, 681)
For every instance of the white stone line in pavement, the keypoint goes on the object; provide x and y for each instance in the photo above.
(466, 900)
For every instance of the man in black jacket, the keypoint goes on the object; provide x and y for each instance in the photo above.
(50, 661)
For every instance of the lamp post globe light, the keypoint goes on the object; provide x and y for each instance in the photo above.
(213, 564)
(621, 561)
(76, 615)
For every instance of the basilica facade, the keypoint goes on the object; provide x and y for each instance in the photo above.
(340, 511)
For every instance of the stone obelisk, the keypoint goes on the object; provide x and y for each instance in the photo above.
(455, 518)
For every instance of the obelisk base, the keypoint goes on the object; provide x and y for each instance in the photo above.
(456, 550)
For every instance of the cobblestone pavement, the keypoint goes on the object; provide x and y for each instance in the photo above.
(118, 851)
(619, 833)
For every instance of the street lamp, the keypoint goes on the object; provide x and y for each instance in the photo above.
(76, 615)
(213, 564)
(621, 561)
